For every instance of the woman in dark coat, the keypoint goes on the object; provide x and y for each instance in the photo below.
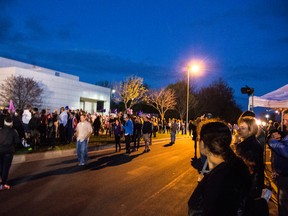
(117, 133)
(250, 150)
(224, 189)
(8, 140)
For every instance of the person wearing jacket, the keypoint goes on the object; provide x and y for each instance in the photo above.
(137, 132)
(147, 131)
(224, 190)
(128, 132)
(8, 140)
(117, 130)
(251, 152)
(279, 146)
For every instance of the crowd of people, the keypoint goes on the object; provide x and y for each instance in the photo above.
(45, 128)
(234, 184)
(235, 181)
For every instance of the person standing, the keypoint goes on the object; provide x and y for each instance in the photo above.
(117, 133)
(43, 126)
(83, 132)
(250, 150)
(193, 128)
(173, 130)
(279, 145)
(128, 132)
(224, 190)
(8, 140)
(52, 130)
(26, 116)
(155, 127)
(147, 131)
(71, 126)
(137, 132)
(63, 119)
(97, 125)
(190, 127)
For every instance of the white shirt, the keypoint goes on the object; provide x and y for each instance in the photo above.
(84, 130)
(26, 116)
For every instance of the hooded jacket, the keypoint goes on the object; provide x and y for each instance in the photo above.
(8, 139)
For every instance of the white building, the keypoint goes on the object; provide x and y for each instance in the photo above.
(60, 89)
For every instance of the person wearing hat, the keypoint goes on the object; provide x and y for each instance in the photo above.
(9, 138)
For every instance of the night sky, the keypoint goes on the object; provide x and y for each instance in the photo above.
(244, 42)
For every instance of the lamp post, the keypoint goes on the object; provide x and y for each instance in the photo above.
(112, 92)
(194, 68)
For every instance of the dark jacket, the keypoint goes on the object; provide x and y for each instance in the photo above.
(8, 140)
(137, 128)
(251, 152)
(97, 122)
(117, 130)
(34, 122)
(223, 191)
(147, 127)
(280, 155)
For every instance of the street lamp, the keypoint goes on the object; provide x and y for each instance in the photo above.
(193, 68)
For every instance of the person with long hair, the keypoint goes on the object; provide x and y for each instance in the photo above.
(251, 152)
(224, 189)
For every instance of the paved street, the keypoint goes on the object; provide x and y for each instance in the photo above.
(155, 183)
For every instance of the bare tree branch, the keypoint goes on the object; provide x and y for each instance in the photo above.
(162, 100)
(22, 90)
(131, 92)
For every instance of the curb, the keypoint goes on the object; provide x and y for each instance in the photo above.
(23, 158)
(42, 156)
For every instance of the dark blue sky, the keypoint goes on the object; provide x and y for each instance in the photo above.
(245, 42)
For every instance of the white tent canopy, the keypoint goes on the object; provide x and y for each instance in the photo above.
(274, 99)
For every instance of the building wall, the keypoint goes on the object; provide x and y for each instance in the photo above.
(62, 90)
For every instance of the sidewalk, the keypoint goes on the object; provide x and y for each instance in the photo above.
(50, 154)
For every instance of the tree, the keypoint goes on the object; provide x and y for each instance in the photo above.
(218, 99)
(162, 100)
(22, 91)
(180, 89)
(130, 92)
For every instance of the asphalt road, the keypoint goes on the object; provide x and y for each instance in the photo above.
(159, 182)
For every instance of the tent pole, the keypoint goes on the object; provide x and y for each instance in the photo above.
(282, 115)
(251, 102)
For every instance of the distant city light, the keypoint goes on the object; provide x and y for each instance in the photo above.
(261, 123)
(277, 112)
